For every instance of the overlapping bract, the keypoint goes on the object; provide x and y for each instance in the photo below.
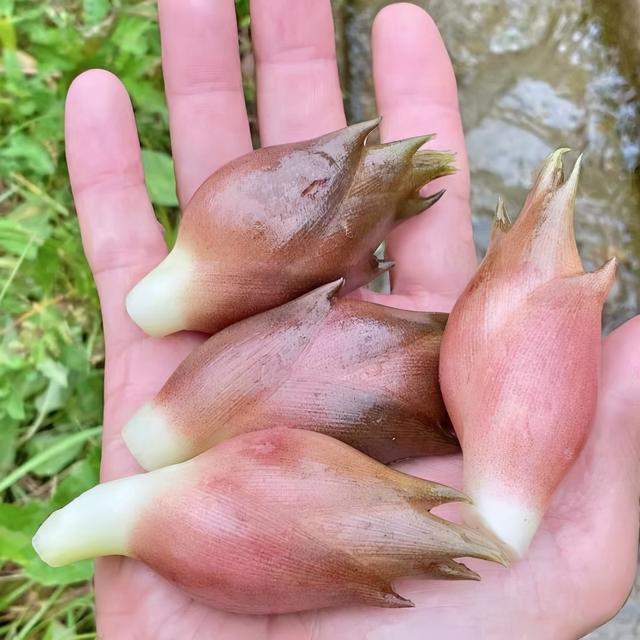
(363, 373)
(271, 522)
(520, 356)
(280, 221)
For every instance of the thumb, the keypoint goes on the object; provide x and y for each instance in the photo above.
(619, 403)
(594, 515)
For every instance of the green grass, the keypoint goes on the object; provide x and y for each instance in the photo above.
(51, 347)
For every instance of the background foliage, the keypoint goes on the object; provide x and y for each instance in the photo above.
(51, 350)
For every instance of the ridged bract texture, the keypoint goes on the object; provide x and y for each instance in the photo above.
(364, 373)
(272, 522)
(519, 360)
(278, 222)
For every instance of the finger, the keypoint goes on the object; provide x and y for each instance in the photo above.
(416, 94)
(299, 93)
(594, 515)
(203, 82)
(609, 461)
(121, 237)
(122, 241)
(620, 397)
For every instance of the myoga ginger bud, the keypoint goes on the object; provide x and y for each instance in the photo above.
(364, 373)
(280, 221)
(519, 360)
(274, 521)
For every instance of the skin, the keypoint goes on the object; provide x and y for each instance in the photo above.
(582, 563)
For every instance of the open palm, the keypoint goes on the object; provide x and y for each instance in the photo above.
(582, 563)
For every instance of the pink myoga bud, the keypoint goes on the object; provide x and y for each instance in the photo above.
(277, 222)
(274, 521)
(364, 373)
(520, 356)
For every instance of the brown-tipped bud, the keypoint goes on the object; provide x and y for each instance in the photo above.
(271, 522)
(364, 373)
(276, 223)
(501, 224)
(416, 205)
(520, 356)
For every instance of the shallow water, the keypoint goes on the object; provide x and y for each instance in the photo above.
(534, 76)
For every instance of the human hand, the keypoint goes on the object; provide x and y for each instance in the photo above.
(582, 562)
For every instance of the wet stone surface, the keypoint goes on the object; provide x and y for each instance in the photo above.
(534, 77)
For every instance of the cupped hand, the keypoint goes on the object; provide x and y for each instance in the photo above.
(581, 565)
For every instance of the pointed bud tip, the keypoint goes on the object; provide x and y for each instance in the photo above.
(330, 289)
(441, 494)
(418, 142)
(502, 220)
(417, 205)
(551, 174)
(432, 199)
(386, 265)
(453, 570)
(365, 128)
(407, 147)
(605, 276)
(556, 156)
(610, 266)
(396, 601)
(570, 188)
(555, 160)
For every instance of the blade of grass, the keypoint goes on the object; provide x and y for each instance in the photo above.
(42, 413)
(16, 268)
(46, 605)
(84, 602)
(26, 186)
(10, 577)
(43, 456)
(7, 600)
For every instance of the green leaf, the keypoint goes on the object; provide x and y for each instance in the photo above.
(52, 465)
(58, 631)
(50, 576)
(242, 9)
(81, 476)
(55, 371)
(23, 517)
(15, 239)
(13, 546)
(94, 11)
(67, 442)
(17, 526)
(129, 34)
(24, 148)
(160, 178)
(7, 32)
(6, 7)
(15, 407)
(8, 437)
(51, 399)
